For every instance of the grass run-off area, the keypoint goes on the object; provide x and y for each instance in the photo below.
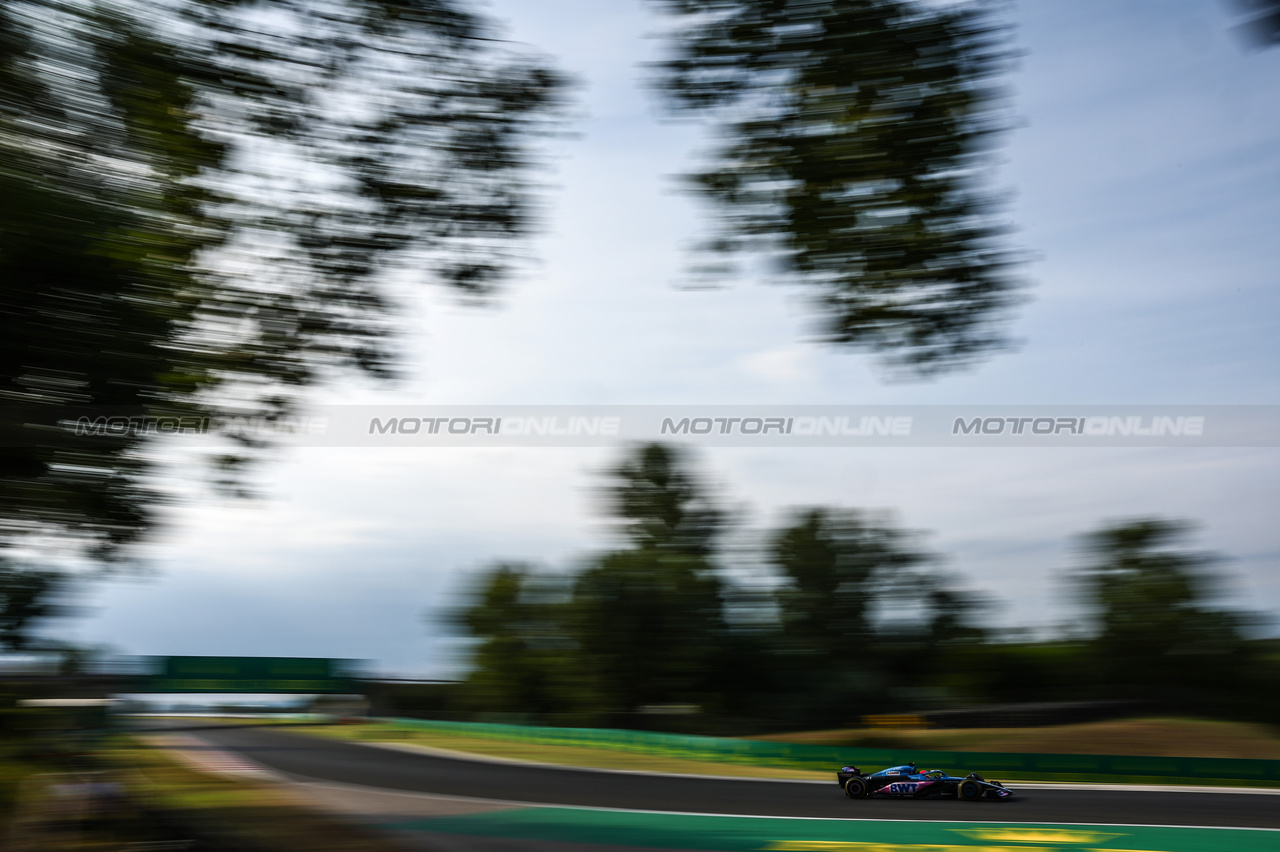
(244, 811)
(160, 803)
(1144, 737)
(563, 755)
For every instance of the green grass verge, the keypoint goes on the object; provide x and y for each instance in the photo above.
(563, 755)
(261, 814)
(1151, 737)
(683, 756)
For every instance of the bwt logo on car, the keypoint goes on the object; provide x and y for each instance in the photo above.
(807, 426)
(1089, 426)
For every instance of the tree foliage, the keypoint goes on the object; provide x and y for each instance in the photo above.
(837, 567)
(1262, 28)
(27, 595)
(648, 627)
(1151, 606)
(854, 138)
(517, 664)
(843, 574)
(659, 624)
(845, 616)
(635, 627)
(202, 207)
(659, 504)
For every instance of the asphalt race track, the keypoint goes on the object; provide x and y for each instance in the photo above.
(343, 762)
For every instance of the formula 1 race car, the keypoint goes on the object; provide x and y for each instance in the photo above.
(907, 782)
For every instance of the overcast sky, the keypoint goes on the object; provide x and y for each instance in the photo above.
(1145, 177)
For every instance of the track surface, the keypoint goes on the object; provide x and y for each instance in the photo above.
(350, 763)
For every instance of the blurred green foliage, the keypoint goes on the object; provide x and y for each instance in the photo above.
(26, 596)
(846, 617)
(203, 205)
(853, 155)
(658, 628)
(1154, 627)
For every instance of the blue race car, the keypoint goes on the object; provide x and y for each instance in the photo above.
(908, 782)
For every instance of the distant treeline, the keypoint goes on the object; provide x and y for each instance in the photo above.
(844, 617)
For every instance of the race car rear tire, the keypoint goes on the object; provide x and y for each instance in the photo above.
(969, 790)
(855, 788)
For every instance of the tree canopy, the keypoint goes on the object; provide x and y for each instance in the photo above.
(204, 206)
(833, 615)
(664, 624)
(1151, 607)
(853, 156)
(660, 505)
(27, 595)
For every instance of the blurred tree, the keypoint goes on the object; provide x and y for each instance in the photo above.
(1017, 672)
(839, 568)
(656, 624)
(522, 662)
(96, 258)
(1149, 600)
(660, 505)
(919, 654)
(1262, 29)
(650, 629)
(649, 619)
(856, 620)
(26, 596)
(855, 136)
(952, 615)
(201, 208)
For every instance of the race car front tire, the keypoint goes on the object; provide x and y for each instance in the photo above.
(855, 788)
(969, 790)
